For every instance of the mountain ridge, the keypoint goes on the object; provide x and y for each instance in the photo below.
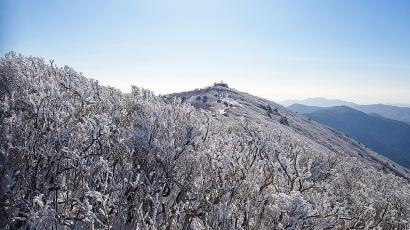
(385, 110)
(386, 136)
(275, 115)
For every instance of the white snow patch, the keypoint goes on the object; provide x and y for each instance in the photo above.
(39, 200)
(221, 111)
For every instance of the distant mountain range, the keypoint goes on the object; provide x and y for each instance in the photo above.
(317, 101)
(388, 111)
(388, 137)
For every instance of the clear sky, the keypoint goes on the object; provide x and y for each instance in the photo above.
(353, 50)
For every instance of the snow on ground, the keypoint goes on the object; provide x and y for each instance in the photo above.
(221, 111)
(319, 137)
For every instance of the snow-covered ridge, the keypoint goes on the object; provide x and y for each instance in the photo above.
(276, 116)
(78, 155)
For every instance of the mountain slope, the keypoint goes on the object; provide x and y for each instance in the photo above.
(234, 104)
(303, 109)
(78, 155)
(388, 111)
(385, 136)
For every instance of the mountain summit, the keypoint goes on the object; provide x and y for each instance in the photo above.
(230, 105)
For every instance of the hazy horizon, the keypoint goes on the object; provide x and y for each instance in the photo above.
(279, 50)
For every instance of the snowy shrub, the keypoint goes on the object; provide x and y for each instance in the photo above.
(75, 155)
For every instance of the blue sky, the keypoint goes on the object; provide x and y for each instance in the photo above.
(352, 50)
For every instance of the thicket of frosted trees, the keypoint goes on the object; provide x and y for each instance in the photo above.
(75, 154)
